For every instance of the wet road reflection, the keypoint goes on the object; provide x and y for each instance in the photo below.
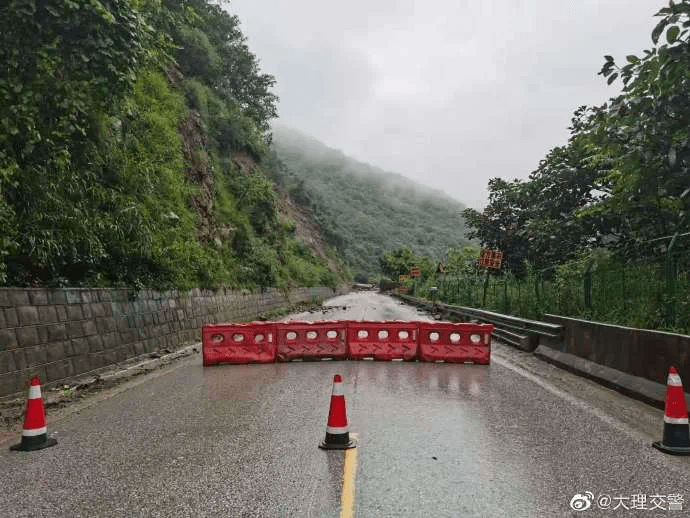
(436, 440)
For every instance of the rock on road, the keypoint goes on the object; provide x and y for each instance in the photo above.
(516, 438)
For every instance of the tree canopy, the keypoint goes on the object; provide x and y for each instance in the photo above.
(133, 150)
(622, 180)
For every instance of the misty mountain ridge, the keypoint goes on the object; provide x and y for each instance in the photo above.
(286, 138)
(361, 209)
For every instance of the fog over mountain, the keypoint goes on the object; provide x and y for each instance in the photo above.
(363, 210)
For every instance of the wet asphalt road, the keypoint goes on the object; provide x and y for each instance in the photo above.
(516, 438)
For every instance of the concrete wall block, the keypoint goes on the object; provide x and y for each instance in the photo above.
(57, 297)
(18, 297)
(80, 346)
(105, 324)
(74, 312)
(69, 350)
(11, 319)
(80, 364)
(97, 310)
(110, 356)
(128, 336)
(26, 336)
(89, 327)
(123, 325)
(111, 340)
(7, 362)
(73, 296)
(47, 314)
(36, 356)
(122, 353)
(99, 360)
(5, 297)
(61, 313)
(19, 359)
(42, 334)
(58, 370)
(139, 348)
(12, 382)
(84, 330)
(95, 343)
(57, 332)
(55, 352)
(8, 339)
(75, 329)
(38, 297)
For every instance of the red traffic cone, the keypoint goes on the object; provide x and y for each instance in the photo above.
(337, 436)
(676, 440)
(35, 432)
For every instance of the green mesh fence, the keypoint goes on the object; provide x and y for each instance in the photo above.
(653, 293)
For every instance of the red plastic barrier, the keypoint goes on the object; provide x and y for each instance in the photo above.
(382, 340)
(251, 342)
(311, 340)
(455, 343)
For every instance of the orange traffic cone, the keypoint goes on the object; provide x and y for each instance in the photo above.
(676, 440)
(35, 432)
(337, 436)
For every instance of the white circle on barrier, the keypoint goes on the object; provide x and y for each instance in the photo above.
(259, 338)
(383, 334)
(311, 335)
(332, 334)
(455, 337)
(403, 335)
(434, 336)
(475, 338)
(362, 333)
(291, 335)
(237, 337)
(217, 338)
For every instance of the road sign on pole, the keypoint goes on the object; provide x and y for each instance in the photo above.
(490, 259)
(403, 278)
(415, 271)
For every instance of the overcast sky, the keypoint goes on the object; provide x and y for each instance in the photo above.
(449, 93)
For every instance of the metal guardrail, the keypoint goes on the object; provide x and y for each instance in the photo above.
(520, 332)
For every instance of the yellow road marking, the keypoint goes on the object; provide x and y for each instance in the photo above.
(347, 503)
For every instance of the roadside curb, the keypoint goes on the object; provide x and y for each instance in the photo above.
(634, 387)
(76, 388)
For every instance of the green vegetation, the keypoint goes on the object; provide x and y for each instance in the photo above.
(597, 230)
(133, 151)
(361, 210)
(621, 181)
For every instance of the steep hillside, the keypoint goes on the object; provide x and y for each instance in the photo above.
(363, 210)
(133, 151)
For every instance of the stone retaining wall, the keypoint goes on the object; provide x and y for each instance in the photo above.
(61, 333)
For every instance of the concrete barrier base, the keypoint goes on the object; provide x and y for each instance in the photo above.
(635, 387)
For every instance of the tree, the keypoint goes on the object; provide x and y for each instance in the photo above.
(502, 223)
(642, 135)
